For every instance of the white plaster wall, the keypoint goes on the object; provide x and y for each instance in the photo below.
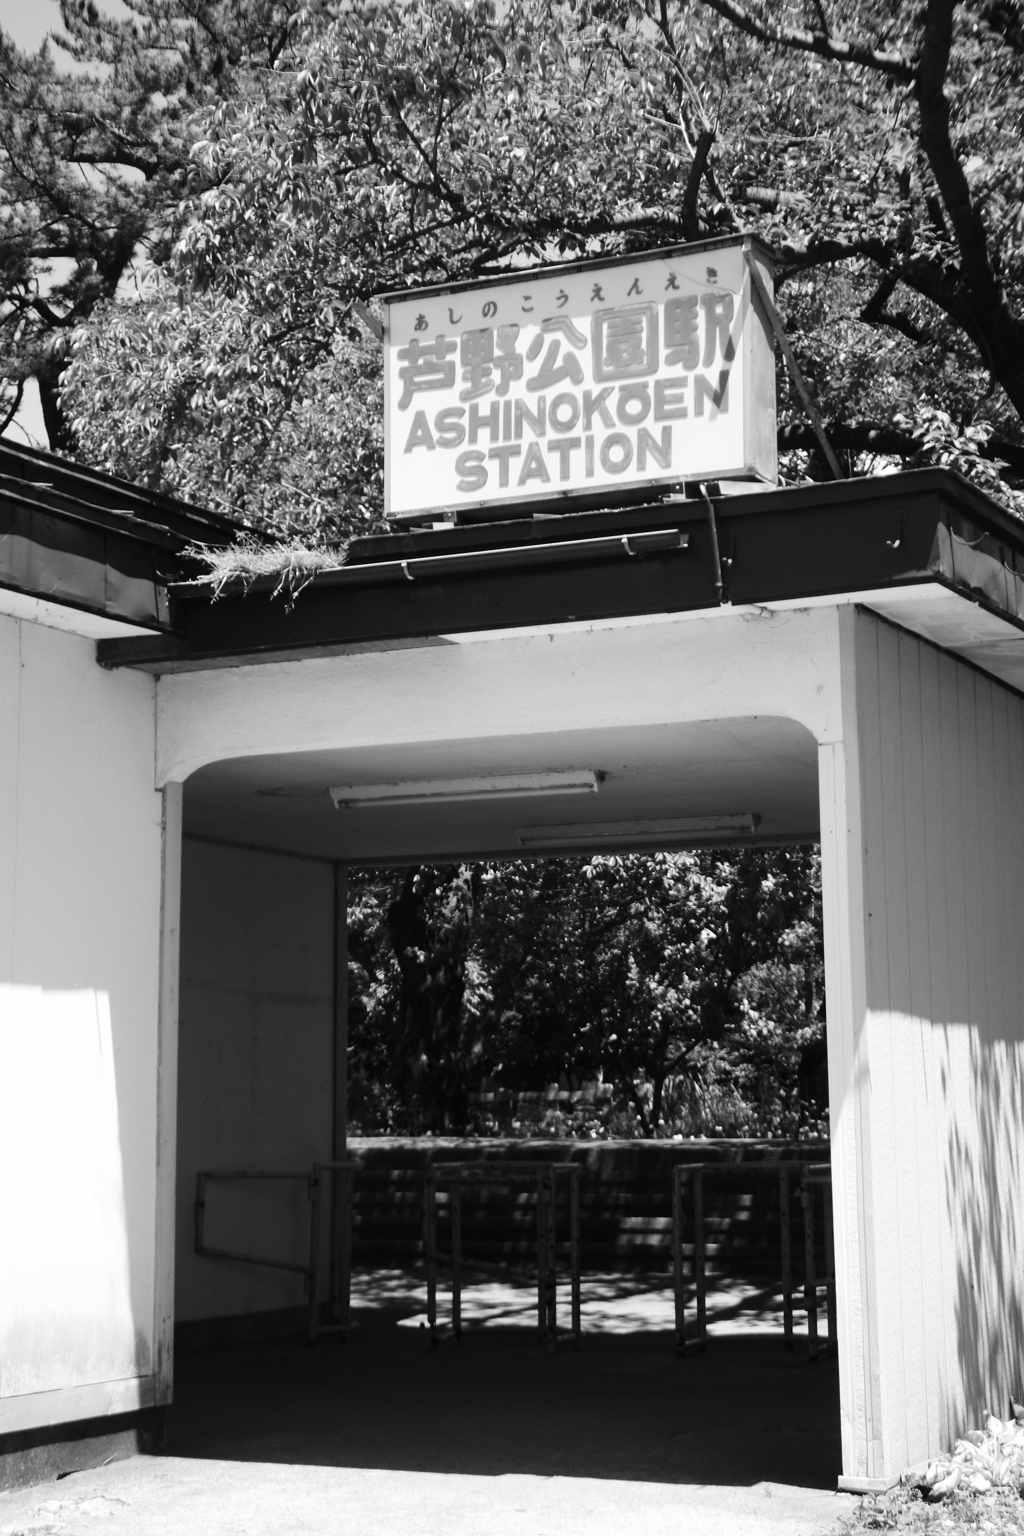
(255, 1063)
(728, 663)
(923, 845)
(80, 892)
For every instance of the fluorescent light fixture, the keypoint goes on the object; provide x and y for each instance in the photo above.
(608, 833)
(491, 786)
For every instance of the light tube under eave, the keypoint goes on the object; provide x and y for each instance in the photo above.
(492, 786)
(669, 830)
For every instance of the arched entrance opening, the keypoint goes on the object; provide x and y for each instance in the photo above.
(262, 850)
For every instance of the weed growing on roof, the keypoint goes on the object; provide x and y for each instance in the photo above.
(291, 563)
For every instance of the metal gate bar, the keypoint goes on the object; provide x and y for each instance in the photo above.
(811, 1175)
(544, 1177)
(341, 1238)
(692, 1174)
(785, 1222)
(819, 1175)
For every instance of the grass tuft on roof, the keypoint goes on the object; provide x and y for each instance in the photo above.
(290, 563)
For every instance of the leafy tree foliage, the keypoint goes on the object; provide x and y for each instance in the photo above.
(689, 984)
(275, 169)
(94, 163)
(876, 148)
(437, 1035)
(190, 396)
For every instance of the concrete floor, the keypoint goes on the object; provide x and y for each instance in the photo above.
(384, 1434)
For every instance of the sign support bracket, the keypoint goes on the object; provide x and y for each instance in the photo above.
(775, 319)
(715, 552)
(369, 319)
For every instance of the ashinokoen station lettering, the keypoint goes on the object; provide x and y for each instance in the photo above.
(654, 370)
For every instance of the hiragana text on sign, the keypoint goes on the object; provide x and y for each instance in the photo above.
(586, 377)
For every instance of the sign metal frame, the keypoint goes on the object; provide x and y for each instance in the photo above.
(446, 389)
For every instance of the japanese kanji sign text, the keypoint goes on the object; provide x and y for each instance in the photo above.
(565, 382)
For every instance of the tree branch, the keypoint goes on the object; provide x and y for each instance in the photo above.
(1004, 18)
(994, 327)
(853, 437)
(825, 253)
(698, 164)
(890, 441)
(875, 307)
(770, 198)
(876, 312)
(893, 64)
(16, 406)
(936, 280)
(57, 322)
(902, 322)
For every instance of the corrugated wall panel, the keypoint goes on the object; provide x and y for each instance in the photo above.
(941, 751)
(933, 870)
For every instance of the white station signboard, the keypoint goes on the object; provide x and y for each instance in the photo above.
(579, 381)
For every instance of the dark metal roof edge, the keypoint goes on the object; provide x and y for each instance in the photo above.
(149, 629)
(170, 651)
(451, 562)
(914, 482)
(261, 634)
(124, 525)
(70, 469)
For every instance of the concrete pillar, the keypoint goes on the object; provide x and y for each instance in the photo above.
(922, 821)
(167, 1094)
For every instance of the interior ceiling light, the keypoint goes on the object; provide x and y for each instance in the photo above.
(491, 786)
(294, 791)
(673, 829)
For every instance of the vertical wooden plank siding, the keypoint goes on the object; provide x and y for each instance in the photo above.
(927, 1057)
(892, 1109)
(167, 1096)
(1013, 852)
(910, 1044)
(931, 1042)
(1001, 1081)
(960, 1054)
(957, 746)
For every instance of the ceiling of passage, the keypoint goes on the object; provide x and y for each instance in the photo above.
(764, 766)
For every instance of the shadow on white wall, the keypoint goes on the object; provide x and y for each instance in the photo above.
(983, 1179)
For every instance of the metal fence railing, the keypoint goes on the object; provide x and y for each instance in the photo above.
(340, 1175)
(803, 1180)
(544, 1177)
(688, 1195)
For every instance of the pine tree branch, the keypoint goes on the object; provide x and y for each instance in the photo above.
(19, 391)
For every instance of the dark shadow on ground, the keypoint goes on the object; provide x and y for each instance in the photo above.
(622, 1407)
